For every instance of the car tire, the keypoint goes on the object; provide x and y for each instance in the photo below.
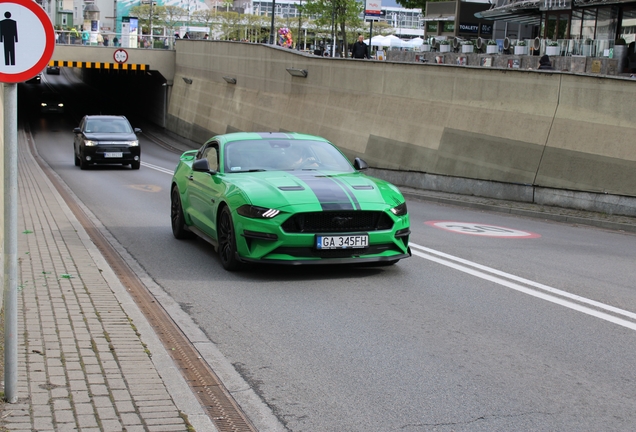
(135, 165)
(83, 164)
(227, 241)
(77, 160)
(177, 219)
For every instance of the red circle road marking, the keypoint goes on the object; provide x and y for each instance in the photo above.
(481, 229)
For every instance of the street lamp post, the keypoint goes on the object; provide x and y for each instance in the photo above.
(299, 24)
(272, 36)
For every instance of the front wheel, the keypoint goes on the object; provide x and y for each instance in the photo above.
(135, 165)
(177, 218)
(227, 241)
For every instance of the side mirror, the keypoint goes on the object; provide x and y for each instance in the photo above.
(137, 130)
(359, 164)
(77, 130)
(201, 165)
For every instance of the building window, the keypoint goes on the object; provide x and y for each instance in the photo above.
(449, 26)
(431, 27)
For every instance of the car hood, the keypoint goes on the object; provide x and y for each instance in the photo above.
(322, 190)
(111, 136)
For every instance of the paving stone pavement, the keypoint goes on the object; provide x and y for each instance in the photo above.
(82, 363)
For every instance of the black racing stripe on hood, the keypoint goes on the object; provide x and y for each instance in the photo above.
(347, 188)
(329, 193)
(274, 135)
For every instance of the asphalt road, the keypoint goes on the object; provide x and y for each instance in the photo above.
(532, 327)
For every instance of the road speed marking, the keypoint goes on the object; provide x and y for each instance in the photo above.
(146, 188)
(480, 229)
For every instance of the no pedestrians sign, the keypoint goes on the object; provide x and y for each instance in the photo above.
(27, 40)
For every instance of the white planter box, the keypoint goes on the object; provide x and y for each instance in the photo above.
(492, 49)
(444, 48)
(467, 48)
(520, 50)
(425, 48)
(552, 50)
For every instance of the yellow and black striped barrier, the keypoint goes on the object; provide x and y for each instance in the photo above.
(99, 65)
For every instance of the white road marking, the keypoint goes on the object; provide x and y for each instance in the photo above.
(157, 168)
(454, 262)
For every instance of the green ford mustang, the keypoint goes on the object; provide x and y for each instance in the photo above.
(286, 198)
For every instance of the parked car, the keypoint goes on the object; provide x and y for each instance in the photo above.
(52, 70)
(286, 198)
(106, 139)
(51, 103)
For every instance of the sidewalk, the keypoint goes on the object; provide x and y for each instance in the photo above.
(87, 358)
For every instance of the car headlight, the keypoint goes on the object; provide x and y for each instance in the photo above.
(43, 104)
(399, 210)
(61, 105)
(255, 212)
(131, 143)
(90, 143)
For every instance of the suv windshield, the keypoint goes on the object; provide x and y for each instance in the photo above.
(115, 125)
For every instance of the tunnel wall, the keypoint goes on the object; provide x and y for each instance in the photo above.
(528, 135)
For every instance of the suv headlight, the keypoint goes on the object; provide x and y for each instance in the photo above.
(131, 143)
(255, 212)
(399, 210)
(90, 143)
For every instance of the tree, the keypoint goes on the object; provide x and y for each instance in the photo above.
(206, 17)
(230, 23)
(415, 4)
(341, 13)
(173, 17)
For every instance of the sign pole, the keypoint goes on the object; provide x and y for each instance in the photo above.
(28, 40)
(11, 243)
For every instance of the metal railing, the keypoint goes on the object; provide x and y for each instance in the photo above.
(111, 39)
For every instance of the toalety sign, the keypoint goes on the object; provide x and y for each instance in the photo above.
(475, 28)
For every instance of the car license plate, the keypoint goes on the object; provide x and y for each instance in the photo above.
(113, 154)
(342, 242)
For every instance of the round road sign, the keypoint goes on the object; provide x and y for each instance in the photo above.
(120, 56)
(27, 40)
(480, 229)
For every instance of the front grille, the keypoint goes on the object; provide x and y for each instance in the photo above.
(338, 221)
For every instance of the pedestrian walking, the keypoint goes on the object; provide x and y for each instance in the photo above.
(360, 50)
(100, 39)
(106, 40)
(85, 37)
(74, 35)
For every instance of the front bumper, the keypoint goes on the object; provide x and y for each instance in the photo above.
(99, 154)
(265, 241)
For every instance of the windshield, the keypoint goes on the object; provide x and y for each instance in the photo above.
(114, 125)
(283, 155)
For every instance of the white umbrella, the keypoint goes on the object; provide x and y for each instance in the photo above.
(395, 41)
(417, 42)
(379, 41)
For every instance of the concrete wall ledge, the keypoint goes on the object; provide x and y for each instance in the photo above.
(592, 202)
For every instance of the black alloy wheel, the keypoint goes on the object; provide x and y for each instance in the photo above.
(227, 241)
(177, 218)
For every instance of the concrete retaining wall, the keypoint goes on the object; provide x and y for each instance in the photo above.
(483, 126)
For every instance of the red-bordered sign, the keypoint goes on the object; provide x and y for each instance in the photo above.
(120, 56)
(28, 40)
